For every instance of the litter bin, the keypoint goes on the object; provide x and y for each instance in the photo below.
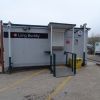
(78, 62)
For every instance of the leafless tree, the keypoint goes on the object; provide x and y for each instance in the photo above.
(93, 39)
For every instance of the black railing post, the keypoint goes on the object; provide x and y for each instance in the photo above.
(54, 65)
(75, 56)
(66, 59)
(72, 62)
(10, 66)
(51, 71)
(83, 64)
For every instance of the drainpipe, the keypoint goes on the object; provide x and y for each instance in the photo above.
(9, 46)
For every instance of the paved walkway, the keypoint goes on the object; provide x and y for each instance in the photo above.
(94, 57)
(40, 84)
(84, 86)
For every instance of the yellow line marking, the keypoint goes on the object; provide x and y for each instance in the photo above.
(21, 80)
(59, 87)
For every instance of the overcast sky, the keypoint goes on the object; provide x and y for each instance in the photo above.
(42, 12)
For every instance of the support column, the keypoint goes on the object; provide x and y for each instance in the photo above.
(73, 41)
(9, 46)
(84, 49)
(51, 56)
(72, 49)
(51, 40)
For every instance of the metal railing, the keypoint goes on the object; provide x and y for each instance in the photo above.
(73, 59)
(52, 66)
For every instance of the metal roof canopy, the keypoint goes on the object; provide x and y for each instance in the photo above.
(26, 25)
(61, 25)
(78, 28)
(52, 26)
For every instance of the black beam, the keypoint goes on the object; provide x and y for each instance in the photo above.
(67, 52)
(66, 59)
(72, 61)
(54, 65)
(75, 56)
(10, 66)
(51, 71)
(83, 64)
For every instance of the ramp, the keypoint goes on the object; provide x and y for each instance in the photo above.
(63, 71)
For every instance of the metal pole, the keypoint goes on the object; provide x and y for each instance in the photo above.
(84, 36)
(51, 70)
(73, 41)
(66, 59)
(9, 46)
(51, 39)
(72, 49)
(54, 65)
(84, 50)
(51, 56)
(75, 56)
(72, 61)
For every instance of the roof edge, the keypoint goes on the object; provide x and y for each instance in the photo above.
(61, 23)
(83, 28)
(26, 25)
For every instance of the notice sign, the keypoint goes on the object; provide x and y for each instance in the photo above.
(27, 35)
(67, 42)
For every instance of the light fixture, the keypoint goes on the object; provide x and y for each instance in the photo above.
(26, 28)
(79, 33)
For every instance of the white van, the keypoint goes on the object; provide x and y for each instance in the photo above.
(97, 48)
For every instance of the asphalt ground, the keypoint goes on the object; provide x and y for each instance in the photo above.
(41, 85)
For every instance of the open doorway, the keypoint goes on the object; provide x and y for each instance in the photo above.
(1, 48)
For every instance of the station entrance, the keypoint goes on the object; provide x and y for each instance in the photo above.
(60, 51)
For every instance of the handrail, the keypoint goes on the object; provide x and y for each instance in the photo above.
(53, 62)
(66, 52)
(52, 67)
(74, 56)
